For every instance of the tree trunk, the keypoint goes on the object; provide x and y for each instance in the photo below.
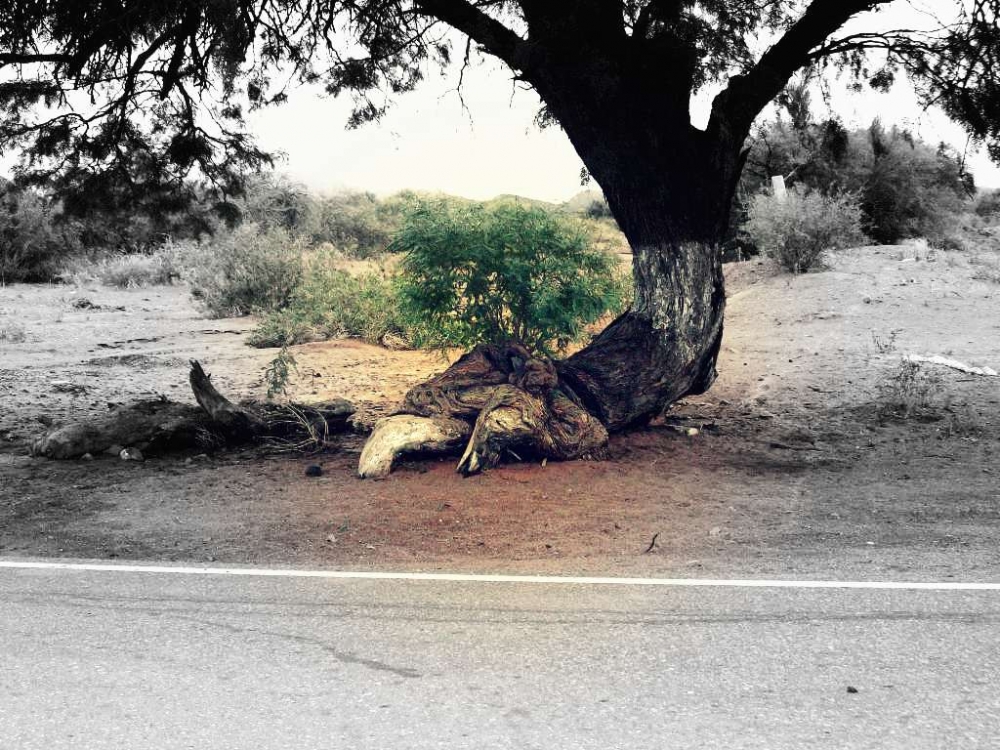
(662, 349)
(670, 191)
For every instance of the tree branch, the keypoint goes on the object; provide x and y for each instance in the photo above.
(486, 31)
(746, 95)
(27, 58)
(665, 11)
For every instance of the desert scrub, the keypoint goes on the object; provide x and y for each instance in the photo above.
(136, 270)
(32, 245)
(986, 267)
(910, 390)
(474, 274)
(797, 231)
(330, 303)
(12, 333)
(245, 271)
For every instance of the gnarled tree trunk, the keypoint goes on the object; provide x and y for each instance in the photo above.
(670, 194)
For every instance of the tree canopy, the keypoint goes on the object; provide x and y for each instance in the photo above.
(154, 92)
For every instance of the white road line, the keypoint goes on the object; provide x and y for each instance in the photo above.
(489, 578)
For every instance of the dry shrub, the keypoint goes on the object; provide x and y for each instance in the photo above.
(797, 231)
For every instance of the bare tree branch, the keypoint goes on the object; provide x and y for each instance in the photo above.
(746, 95)
(486, 31)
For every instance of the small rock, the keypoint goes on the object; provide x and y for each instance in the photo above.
(314, 470)
(715, 531)
(692, 431)
(87, 457)
(131, 454)
(851, 689)
(115, 450)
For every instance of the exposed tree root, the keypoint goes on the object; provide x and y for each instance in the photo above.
(163, 425)
(501, 400)
(405, 433)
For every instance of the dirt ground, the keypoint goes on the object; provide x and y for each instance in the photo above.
(818, 452)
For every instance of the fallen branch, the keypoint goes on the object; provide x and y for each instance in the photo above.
(162, 425)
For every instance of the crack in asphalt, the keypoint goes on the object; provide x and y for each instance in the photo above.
(341, 656)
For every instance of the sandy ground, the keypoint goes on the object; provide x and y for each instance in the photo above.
(803, 462)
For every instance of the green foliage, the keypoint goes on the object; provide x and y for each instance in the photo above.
(279, 373)
(330, 303)
(798, 231)
(477, 274)
(245, 271)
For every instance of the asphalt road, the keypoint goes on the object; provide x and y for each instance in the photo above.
(99, 660)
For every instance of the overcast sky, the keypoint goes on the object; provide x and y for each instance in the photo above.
(427, 141)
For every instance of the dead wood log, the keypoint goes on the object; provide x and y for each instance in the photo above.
(406, 433)
(161, 425)
(223, 412)
(148, 425)
(499, 400)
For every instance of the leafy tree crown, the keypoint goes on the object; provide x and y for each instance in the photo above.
(150, 93)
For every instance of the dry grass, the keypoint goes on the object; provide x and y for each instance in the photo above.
(986, 267)
(123, 271)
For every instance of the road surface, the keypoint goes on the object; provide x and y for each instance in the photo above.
(99, 659)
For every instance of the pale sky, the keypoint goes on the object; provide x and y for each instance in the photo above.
(427, 142)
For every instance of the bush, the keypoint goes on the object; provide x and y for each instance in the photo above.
(140, 269)
(987, 205)
(906, 188)
(32, 246)
(476, 274)
(359, 224)
(245, 271)
(798, 231)
(330, 303)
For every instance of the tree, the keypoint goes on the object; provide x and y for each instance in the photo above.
(617, 75)
(907, 188)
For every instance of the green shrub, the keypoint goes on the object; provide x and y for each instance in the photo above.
(476, 274)
(797, 232)
(330, 303)
(245, 271)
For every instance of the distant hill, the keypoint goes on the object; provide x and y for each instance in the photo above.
(533, 202)
(582, 201)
